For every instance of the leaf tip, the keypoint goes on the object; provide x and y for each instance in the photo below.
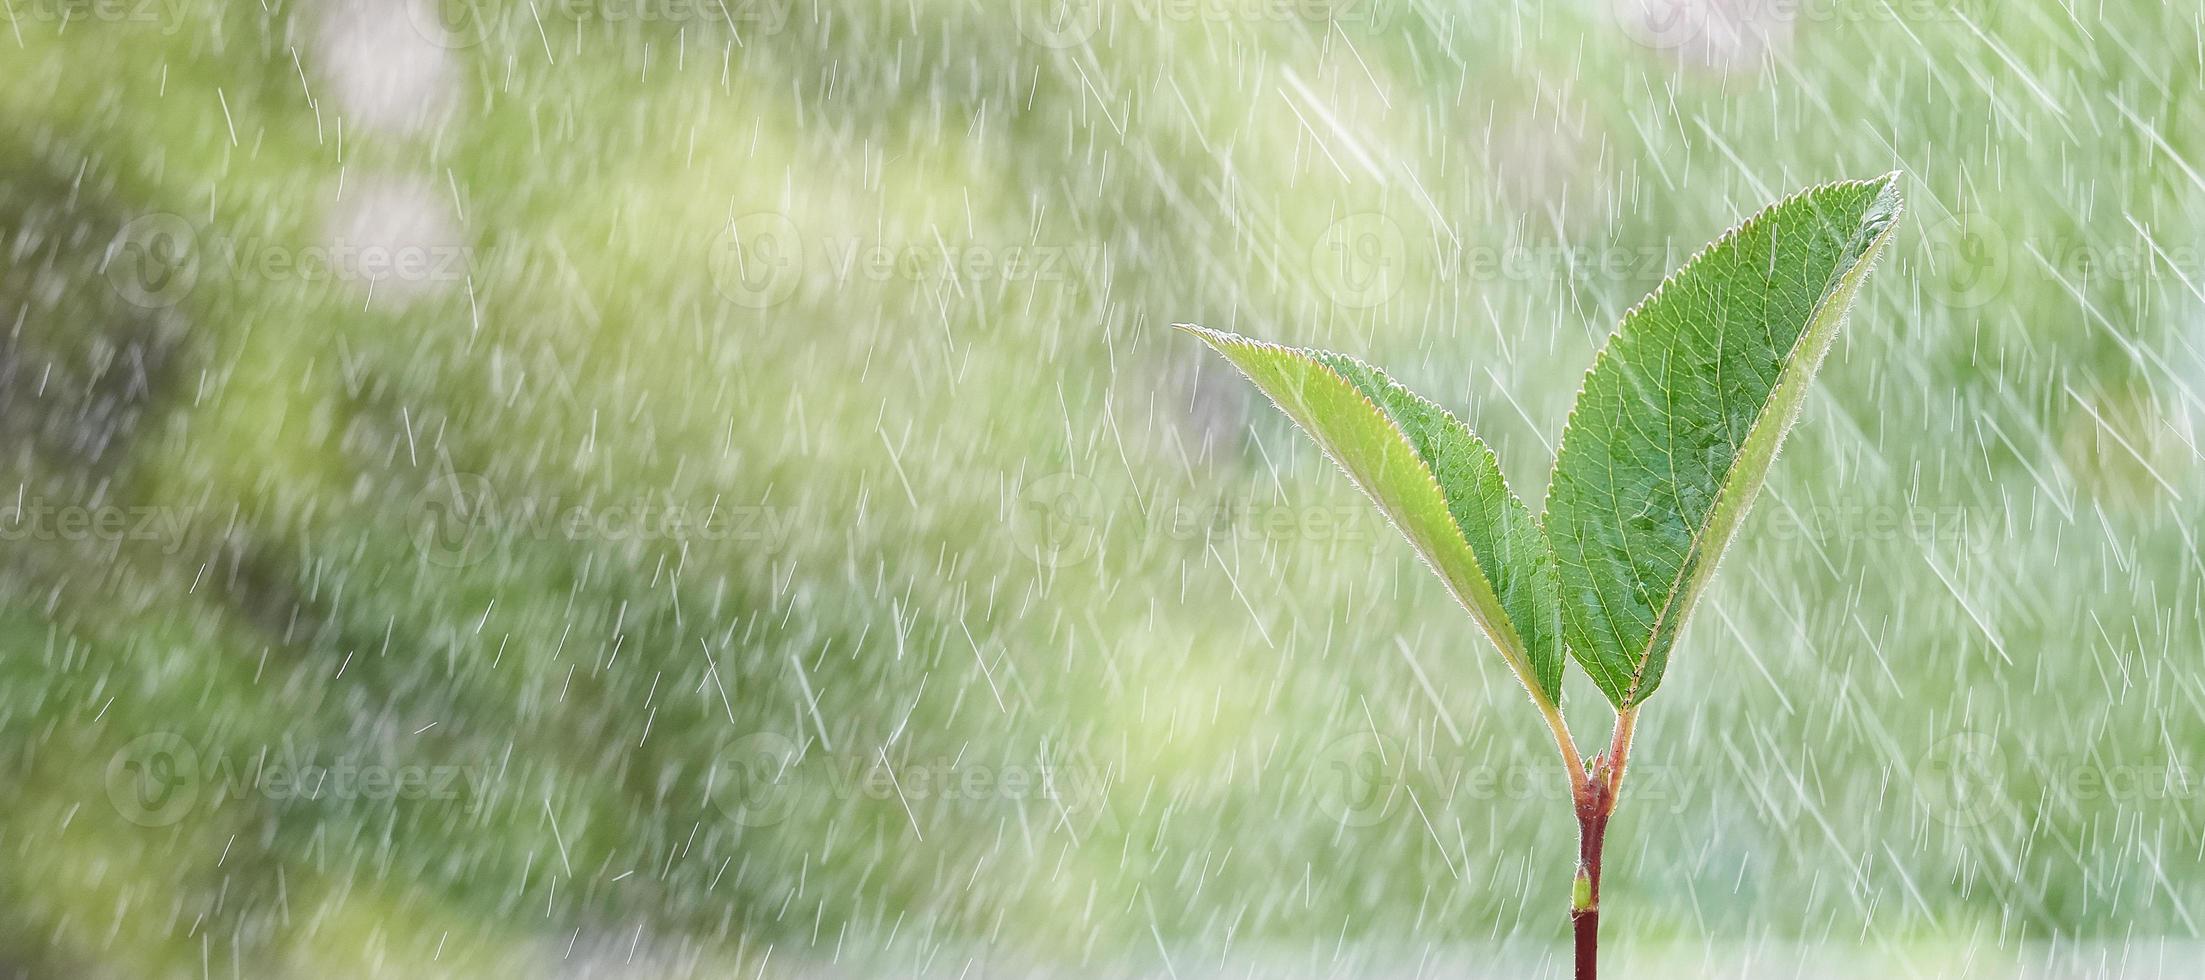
(1889, 203)
(1215, 338)
(1881, 210)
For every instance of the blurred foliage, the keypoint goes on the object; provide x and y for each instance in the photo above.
(753, 264)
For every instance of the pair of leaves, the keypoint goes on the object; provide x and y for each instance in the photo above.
(1671, 438)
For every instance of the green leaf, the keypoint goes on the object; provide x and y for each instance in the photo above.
(1681, 417)
(1438, 484)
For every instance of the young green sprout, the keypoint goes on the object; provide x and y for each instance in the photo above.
(1671, 438)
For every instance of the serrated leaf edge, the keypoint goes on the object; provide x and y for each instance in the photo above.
(1483, 446)
(1857, 274)
(1504, 633)
(1739, 230)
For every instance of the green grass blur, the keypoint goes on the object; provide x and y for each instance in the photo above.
(876, 297)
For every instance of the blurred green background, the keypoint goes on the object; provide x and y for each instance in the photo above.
(661, 488)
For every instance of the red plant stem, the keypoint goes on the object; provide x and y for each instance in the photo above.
(1592, 831)
(1595, 796)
